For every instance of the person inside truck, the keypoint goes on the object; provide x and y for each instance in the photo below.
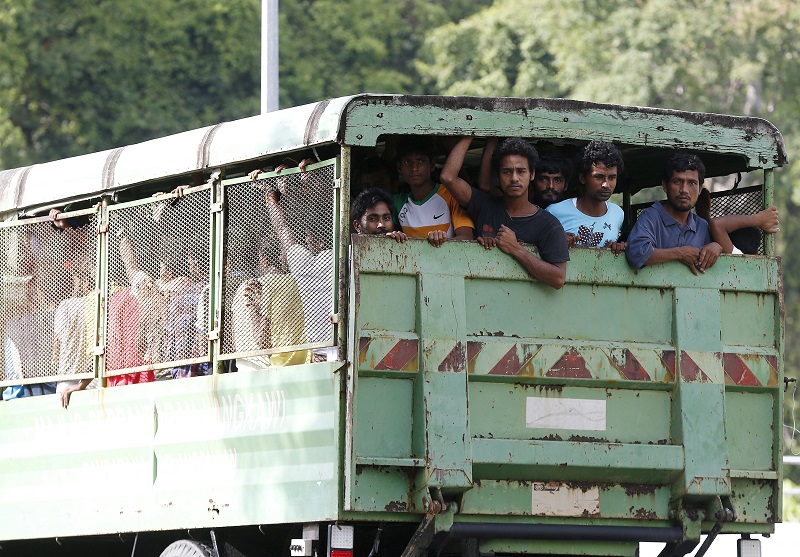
(737, 234)
(428, 210)
(668, 230)
(553, 172)
(508, 220)
(371, 213)
(591, 220)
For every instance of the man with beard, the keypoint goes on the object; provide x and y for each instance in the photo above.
(669, 231)
(590, 220)
(553, 172)
(506, 221)
(371, 214)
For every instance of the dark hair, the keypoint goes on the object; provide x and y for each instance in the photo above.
(748, 240)
(374, 164)
(601, 151)
(411, 144)
(681, 161)
(555, 164)
(515, 146)
(369, 198)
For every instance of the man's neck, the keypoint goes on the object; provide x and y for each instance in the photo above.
(681, 216)
(591, 207)
(421, 192)
(519, 206)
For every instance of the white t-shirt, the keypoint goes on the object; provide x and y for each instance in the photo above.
(314, 277)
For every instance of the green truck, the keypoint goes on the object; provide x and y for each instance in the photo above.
(459, 407)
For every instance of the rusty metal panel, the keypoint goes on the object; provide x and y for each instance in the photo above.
(616, 398)
(754, 139)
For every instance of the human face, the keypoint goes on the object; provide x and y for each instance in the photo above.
(515, 176)
(599, 183)
(376, 220)
(378, 179)
(682, 190)
(415, 169)
(548, 188)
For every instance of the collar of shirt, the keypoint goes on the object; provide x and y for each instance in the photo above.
(668, 220)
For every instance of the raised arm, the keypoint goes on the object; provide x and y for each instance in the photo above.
(485, 172)
(277, 218)
(720, 227)
(457, 186)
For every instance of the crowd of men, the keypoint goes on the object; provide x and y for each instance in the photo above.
(520, 197)
(278, 276)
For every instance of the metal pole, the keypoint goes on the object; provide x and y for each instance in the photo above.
(269, 56)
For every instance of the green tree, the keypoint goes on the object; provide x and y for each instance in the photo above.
(79, 76)
(331, 48)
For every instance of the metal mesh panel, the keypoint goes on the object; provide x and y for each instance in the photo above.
(278, 272)
(741, 201)
(49, 301)
(158, 287)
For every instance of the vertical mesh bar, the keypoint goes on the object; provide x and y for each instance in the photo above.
(278, 271)
(158, 276)
(48, 303)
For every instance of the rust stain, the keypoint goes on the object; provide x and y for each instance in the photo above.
(586, 439)
(638, 489)
(690, 371)
(396, 506)
(454, 361)
(645, 514)
(570, 365)
(631, 368)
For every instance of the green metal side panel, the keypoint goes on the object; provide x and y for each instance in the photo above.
(622, 398)
(241, 448)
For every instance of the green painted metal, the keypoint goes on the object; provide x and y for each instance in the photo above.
(756, 140)
(690, 427)
(224, 450)
(647, 398)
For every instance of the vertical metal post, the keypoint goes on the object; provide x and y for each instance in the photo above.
(269, 56)
(101, 276)
(215, 278)
(769, 201)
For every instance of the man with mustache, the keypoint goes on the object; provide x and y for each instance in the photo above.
(669, 231)
(590, 220)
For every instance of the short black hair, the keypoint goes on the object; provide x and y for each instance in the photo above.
(555, 164)
(515, 146)
(411, 144)
(369, 198)
(681, 161)
(601, 151)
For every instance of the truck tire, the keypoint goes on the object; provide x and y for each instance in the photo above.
(187, 548)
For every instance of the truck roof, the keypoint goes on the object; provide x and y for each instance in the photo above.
(729, 143)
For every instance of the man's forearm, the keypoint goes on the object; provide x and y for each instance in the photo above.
(551, 274)
(662, 255)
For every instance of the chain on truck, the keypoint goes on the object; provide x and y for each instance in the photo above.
(240, 388)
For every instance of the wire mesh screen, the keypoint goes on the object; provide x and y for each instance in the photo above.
(49, 302)
(158, 288)
(741, 201)
(278, 272)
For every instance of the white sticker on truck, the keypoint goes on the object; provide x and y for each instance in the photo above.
(556, 499)
(565, 413)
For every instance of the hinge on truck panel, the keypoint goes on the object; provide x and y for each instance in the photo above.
(337, 183)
